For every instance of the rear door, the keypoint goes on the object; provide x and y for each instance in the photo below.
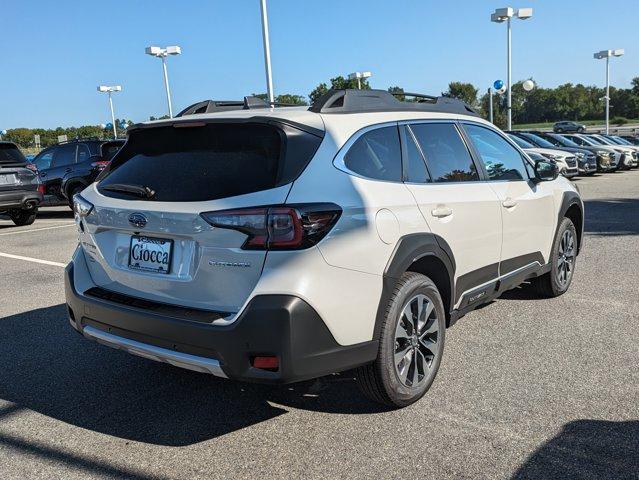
(62, 162)
(460, 209)
(191, 169)
(527, 209)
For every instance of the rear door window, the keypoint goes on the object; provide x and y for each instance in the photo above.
(376, 154)
(83, 153)
(207, 162)
(63, 156)
(446, 154)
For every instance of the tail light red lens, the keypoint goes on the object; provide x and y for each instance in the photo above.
(100, 164)
(271, 363)
(41, 189)
(291, 227)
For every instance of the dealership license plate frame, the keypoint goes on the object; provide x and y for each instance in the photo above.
(138, 268)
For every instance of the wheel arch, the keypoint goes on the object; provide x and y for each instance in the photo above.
(70, 184)
(423, 253)
(572, 207)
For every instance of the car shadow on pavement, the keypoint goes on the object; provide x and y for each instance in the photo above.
(48, 368)
(586, 449)
(612, 216)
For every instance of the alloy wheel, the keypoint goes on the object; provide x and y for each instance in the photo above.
(566, 260)
(416, 341)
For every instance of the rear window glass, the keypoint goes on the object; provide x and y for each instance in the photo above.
(11, 155)
(211, 161)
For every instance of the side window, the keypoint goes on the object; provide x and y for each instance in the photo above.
(43, 161)
(414, 164)
(501, 159)
(377, 155)
(446, 154)
(83, 153)
(64, 155)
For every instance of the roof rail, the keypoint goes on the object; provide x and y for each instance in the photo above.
(212, 106)
(80, 139)
(361, 101)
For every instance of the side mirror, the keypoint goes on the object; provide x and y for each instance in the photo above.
(546, 171)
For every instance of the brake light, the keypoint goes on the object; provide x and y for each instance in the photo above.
(100, 164)
(41, 189)
(278, 227)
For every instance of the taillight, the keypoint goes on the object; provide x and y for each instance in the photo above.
(41, 189)
(280, 227)
(100, 164)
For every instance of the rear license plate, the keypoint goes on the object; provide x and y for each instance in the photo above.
(8, 179)
(150, 254)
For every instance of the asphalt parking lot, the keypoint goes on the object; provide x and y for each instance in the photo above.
(528, 388)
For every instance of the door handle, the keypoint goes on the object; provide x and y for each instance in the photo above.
(509, 203)
(441, 212)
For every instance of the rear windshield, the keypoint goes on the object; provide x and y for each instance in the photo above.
(11, 155)
(209, 161)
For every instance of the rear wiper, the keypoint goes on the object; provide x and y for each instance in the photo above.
(138, 190)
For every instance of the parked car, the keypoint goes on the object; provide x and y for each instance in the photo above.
(566, 161)
(283, 244)
(19, 187)
(69, 167)
(628, 153)
(586, 160)
(567, 127)
(631, 138)
(607, 157)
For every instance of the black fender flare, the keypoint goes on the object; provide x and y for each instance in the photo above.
(569, 199)
(68, 184)
(409, 249)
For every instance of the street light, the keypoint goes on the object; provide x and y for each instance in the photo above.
(267, 53)
(163, 53)
(505, 15)
(358, 76)
(607, 54)
(110, 90)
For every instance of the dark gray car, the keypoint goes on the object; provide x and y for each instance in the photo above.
(19, 192)
(568, 127)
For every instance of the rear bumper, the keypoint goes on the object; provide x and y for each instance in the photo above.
(281, 325)
(20, 199)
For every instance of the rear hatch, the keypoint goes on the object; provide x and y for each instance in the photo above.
(145, 236)
(13, 172)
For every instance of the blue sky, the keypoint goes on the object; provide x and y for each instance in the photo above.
(55, 53)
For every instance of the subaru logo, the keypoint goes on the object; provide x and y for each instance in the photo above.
(137, 220)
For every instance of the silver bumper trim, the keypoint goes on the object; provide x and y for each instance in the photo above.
(178, 359)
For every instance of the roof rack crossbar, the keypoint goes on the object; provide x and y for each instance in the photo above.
(361, 101)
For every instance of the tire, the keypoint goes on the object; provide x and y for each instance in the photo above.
(580, 130)
(73, 191)
(399, 384)
(564, 256)
(23, 217)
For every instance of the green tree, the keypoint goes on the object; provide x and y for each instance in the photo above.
(465, 92)
(337, 83)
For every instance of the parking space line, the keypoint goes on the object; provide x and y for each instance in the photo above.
(37, 229)
(34, 260)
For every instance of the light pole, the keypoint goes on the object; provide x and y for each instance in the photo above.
(267, 53)
(501, 15)
(358, 76)
(607, 54)
(490, 104)
(163, 53)
(110, 90)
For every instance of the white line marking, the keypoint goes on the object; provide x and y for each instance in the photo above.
(37, 229)
(34, 260)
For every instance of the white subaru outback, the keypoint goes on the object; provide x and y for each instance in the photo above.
(283, 244)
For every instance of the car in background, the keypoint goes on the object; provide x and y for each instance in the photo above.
(630, 152)
(586, 160)
(69, 167)
(631, 138)
(626, 160)
(566, 162)
(607, 157)
(20, 194)
(568, 126)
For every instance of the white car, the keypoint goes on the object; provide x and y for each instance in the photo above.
(566, 161)
(283, 244)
